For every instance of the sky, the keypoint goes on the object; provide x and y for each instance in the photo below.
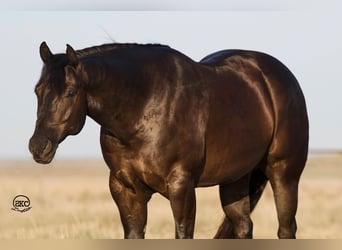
(305, 36)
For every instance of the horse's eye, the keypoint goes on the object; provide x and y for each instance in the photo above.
(71, 93)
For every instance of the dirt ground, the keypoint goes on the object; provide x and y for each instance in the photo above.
(71, 199)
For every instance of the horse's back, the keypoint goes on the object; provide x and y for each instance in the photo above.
(276, 75)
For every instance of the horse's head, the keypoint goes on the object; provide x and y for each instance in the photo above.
(61, 102)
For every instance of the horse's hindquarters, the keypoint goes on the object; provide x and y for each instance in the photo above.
(240, 126)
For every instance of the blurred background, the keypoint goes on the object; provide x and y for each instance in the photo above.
(305, 37)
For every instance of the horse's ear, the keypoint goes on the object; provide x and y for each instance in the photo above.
(72, 56)
(45, 52)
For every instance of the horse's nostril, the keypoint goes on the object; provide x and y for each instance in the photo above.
(47, 148)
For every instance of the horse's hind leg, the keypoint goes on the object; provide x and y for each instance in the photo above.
(257, 185)
(285, 163)
(284, 178)
(236, 205)
(225, 230)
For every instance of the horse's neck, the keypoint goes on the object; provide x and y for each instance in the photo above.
(114, 104)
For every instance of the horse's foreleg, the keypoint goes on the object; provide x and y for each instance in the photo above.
(130, 195)
(181, 191)
(132, 205)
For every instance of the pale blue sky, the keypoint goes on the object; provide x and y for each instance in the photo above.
(307, 38)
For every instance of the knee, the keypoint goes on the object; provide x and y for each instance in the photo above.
(178, 182)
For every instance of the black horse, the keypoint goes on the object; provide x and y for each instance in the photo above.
(168, 124)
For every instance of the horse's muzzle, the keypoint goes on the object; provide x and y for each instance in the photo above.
(43, 150)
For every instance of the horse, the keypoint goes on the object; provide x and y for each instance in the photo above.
(236, 119)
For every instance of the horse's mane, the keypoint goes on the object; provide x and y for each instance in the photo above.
(112, 46)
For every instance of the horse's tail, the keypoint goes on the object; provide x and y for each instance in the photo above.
(257, 185)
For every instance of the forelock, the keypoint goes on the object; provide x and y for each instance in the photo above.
(53, 75)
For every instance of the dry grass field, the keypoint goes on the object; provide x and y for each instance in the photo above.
(71, 199)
